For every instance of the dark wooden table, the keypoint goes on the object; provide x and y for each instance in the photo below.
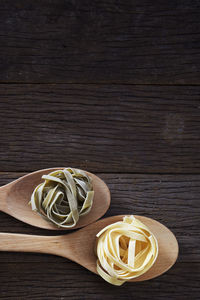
(112, 87)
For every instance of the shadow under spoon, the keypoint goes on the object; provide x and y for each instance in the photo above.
(15, 196)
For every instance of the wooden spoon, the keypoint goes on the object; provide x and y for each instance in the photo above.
(15, 196)
(79, 246)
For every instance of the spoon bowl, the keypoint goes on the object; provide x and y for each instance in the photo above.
(15, 196)
(79, 246)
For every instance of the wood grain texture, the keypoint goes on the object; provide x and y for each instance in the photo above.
(74, 41)
(109, 128)
(170, 199)
(137, 121)
(59, 281)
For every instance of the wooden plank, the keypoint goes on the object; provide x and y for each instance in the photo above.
(171, 199)
(109, 128)
(142, 42)
(70, 281)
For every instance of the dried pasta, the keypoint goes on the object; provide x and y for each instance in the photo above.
(63, 197)
(125, 250)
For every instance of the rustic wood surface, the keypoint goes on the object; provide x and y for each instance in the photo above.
(100, 41)
(170, 199)
(102, 128)
(112, 87)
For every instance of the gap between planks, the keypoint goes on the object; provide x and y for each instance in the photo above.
(95, 83)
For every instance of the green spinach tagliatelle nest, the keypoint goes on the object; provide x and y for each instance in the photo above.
(63, 197)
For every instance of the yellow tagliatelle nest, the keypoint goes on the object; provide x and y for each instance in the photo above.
(63, 197)
(125, 250)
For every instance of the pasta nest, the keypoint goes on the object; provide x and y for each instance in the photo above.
(63, 197)
(125, 250)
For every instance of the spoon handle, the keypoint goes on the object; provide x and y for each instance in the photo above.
(28, 243)
(3, 197)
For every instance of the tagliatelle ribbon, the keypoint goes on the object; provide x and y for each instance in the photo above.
(63, 197)
(125, 250)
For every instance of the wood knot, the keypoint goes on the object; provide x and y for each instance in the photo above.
(174, 128)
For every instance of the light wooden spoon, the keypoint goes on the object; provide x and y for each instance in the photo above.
(79, 246)
(15, 196)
